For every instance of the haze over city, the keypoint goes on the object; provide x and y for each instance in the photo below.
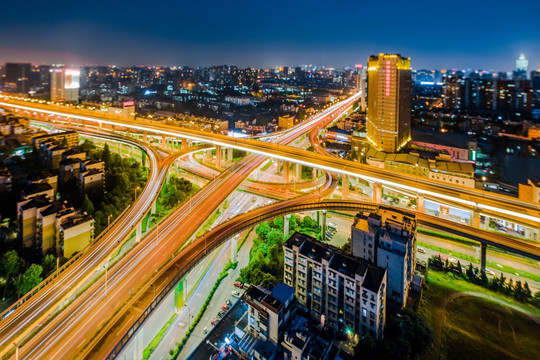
(462, 34)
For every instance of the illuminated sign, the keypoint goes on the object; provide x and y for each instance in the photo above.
(128, 103)
(72, 79)
(387, 77)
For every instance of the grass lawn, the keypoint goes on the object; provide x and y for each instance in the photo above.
(470, 323)
(481, 329)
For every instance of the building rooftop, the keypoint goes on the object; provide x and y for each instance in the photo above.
(54, 208)
(36, 202)
(283, 292)
(449, 139)
(37, 187)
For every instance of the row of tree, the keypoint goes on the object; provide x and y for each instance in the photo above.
(517, 289)
(21, 277)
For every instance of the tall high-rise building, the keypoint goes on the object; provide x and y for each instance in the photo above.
(65, 84)
(17, 77)
(522, 63)
(389, 102)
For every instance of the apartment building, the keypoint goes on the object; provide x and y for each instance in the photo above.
(388, 239)
(343, 292)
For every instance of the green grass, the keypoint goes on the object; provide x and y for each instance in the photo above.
(490, 264)
(155, 341)
(480, 329)
(266, 166)
(209, 223)
(468, 331)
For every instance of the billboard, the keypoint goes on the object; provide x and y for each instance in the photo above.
(72, 79)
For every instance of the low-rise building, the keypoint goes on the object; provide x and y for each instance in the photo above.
(91, 181)
(71, 139)
(27, 214)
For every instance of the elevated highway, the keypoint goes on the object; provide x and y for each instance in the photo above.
(473, 199)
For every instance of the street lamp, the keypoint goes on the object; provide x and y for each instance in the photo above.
(137, 188)
(109, 220)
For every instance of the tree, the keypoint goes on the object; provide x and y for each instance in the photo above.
(31, 278)
(11, 265)
(293, 222)
(274, 236)
(459, 271)
(262, 230)
(49, 264)
(527, 290)
(309, 223)
(106, 156)
(278, 222)
(87, 205)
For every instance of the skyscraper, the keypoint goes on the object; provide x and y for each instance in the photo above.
(522, 63)
(17, 77)
(389, 102)
(65, 84)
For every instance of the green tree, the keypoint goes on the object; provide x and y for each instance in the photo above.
(49, 264)
(262, 230)
(106, 156)
(87, 205)
(278, 222)
(11, 265)
(274, 236)
(31, 278)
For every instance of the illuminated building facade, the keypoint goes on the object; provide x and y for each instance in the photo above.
(65, 84)
(389, 102)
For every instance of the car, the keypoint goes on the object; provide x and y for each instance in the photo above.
(220, 314)
(235, 294)
(452, 260)
(443, 258)
(225, 307)
(421, 250)
(214, 322)
(238, 284)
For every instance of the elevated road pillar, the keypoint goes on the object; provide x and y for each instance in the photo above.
(218, 157)
(483, 254)
(420, 206)
(323, 225)
(345, 186)
(298, 168)
(132, 151)
(377, 193)
(229, 155)
(184, 144)
(153, 209)
(145, 136)
(163, 142)
(286, 171)
(234, 249)
(476, 218)
(286, 220)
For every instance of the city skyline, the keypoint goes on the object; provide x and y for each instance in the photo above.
(284, 34)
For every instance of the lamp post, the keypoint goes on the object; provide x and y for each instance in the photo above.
(137, 188)
(109, 220)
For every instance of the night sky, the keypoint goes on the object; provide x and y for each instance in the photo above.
(486, 34)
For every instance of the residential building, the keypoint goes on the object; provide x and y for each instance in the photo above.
(27, 214)
(389, 102)
(301, 343)
(71, 139)
(343, 292)
(17, 77)
(388, 239)
(91, 181)
(285, 122)
(74, 233)
(269, 312)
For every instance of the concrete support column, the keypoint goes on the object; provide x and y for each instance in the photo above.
(483, 253)
(286, 219)
(138, 232)
(345, 186)
(377, 193)
(120, 148)
(218, 156)
(286, 175)
(132, 151)
(145, 136)
(184, 144)
(163, 142)
(314, 173)
(176, 167)
(153, 209)
(229, 155)
(234, 249)
(420, 206)
(475, 218)
(298, 168)
(323, 225)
